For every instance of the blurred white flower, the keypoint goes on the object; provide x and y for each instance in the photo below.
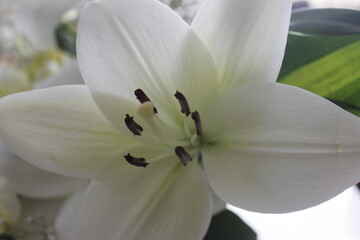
(37, 19)
(23, 68)
(36, 220)
(12, 80)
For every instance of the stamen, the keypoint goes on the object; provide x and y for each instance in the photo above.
(196, 117)
(183, 103)
(142, 97)
(135, 128)
(183, 155)
(138, 162)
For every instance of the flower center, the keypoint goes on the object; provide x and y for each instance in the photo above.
(148, 111)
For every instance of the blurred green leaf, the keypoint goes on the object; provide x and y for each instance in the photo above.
(325, 21)
(326, 65)
(65, 35)
(228, 226)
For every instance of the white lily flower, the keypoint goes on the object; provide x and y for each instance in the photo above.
(257, 144)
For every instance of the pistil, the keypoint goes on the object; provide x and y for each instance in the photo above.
(135, 128)
(183, 155)
(138, 162)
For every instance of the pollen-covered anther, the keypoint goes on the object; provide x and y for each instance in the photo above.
(183, 155)
(143, 98)
(196, 117)
(135, 128)
(138, 162)
(185, 109)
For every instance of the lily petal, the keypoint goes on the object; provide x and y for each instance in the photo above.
(34, 182)
(66, 217)
(164, 201)
(280, 148)
(124, 45)
(59, 129)
(218, 204)
(247, 38)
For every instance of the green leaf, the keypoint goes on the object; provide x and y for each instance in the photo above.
(325, 21)
(303, 50)
(228, 226)
(328, 66)
(335, 76)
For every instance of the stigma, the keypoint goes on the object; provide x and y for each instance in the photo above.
(146, 110)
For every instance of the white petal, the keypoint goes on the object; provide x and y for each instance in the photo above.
(9, 203)
(247, 38)
(34, 182)
(38, 20)
(128, 44)
(59, 129)
(218, 204)
(70, 74)
(277, 148)
(163, 201)
(68, 212)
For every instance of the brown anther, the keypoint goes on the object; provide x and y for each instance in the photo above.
(183, 155)
(183, 103)
(135, 128)
(142, 97)
(196, 117)
(138, 162)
